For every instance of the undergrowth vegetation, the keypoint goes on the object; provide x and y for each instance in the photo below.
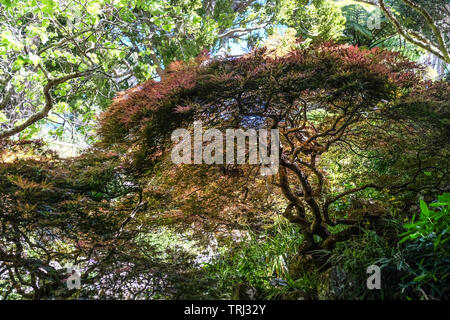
(414, 263)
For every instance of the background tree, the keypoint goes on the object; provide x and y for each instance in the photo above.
(317, 20)
(423, 23)
(63, 62)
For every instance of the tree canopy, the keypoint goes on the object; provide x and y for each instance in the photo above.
(320, 142)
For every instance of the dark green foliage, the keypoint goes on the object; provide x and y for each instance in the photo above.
(415, 267)
(259, 262)
(427, 241)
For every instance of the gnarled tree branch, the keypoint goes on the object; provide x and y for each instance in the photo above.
(48, 103)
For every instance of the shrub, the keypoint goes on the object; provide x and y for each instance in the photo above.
(416, 267)
(428, 246)
(260, 262)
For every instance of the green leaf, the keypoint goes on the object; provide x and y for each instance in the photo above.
(49, 7)
(168, 27)
(3, 118)
(404, 239)
(122, 54)
(438, 204)
(444, 198)
(94, 9)
(424, 208)
(6, 3)
(420, 278)
(361, 29)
